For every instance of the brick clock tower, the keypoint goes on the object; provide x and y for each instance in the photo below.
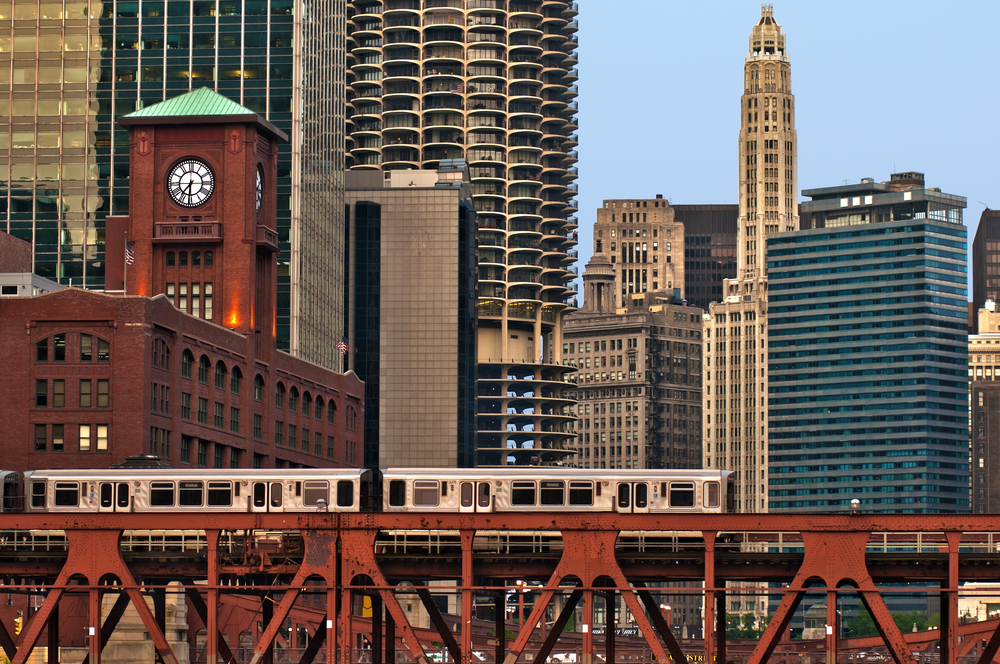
(206, 237)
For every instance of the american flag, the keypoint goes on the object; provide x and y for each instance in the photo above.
(342, 345)
(456, 87)
(129, 254)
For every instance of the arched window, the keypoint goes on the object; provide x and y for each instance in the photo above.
(161, 354)
(352, 417)
(170, 259)
(293, 400)
(258, 388)
(279, 396)
(182, 259)
(187, 359)
(209, 258)
(196, 258)
(220, 375)
(306, 404)
(203, 368)
(234, 380)
(319, 408)
(42, 351)
(331, 412)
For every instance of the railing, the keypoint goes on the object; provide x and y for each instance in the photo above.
(267, 237)
(187, 231)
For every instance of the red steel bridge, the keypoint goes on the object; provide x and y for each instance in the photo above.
(266, 564)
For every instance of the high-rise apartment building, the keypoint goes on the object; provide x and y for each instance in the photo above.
(984, 375)
(412, 242)
(72, 69)
(735, 392)
(985, 263)
(493, 82)
(867, 353)
(638, 376)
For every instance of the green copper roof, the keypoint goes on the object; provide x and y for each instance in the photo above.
(202, 102)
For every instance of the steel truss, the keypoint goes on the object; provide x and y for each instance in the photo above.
(339, 555)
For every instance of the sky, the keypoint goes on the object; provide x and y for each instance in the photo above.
(880, 87)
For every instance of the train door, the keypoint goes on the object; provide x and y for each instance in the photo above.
(633, 498)
(115, 497)
(476, 497)
(267, 497)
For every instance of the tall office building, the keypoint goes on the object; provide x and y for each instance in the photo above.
(493, 82)
(412, 242)
(867, 353)
(71, 69)
(985, 263)
(710, 241)
(735, 393)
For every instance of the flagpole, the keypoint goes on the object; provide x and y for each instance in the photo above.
(125, 268)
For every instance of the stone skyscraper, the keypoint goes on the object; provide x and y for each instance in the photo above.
(735, 393)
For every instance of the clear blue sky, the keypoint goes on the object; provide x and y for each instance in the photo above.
(879, 87)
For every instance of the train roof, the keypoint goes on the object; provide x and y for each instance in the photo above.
(531, 472)
(198, 473)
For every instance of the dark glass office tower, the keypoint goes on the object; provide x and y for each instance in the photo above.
(868, 352)
(70, 69)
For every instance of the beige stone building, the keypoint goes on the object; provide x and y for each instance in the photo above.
(735, 395)
(984, 384)
(645, 245)
(638, 376)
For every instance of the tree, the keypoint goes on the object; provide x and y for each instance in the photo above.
(863, 625)
(744, 627)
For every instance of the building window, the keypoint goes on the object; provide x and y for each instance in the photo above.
(292, 436)
(258, 425)
(234, 458)
(57, 437)
(85, 387)
(86, 348)
(234, 380)
(293, 400)
(203, 410)
(103, 393)
(58, 394)
(331, 412)
(209, 256)
(196, 300)
(319, 408)
(208, 290)
(305, 440)
(217, 456)
(185, 406)
(203, 367)
(103, 350)
(258, 388)
(234, 419)
(196, 259)
(306, 405)
(218, 419)
(220, 375)
(84, 438)
(183, 259)
(59, 347)
(279, 433)
(42, 351)
(41, 393)
(102, 437)
(171, 259)
(329, 447)
(186, 449)
(351, 418)
(161, 354)
(41, 438)
(279, 396)
(187, 359)
(202, 453)
(317, 444)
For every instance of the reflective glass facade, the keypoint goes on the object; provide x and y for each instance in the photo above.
(70, 69)
(867, 360)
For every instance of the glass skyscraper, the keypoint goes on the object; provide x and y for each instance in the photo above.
(868, 352)
(71, 69)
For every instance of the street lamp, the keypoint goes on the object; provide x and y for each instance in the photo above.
(666, 612)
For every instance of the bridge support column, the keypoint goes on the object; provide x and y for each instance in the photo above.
(949, 602)
(588, 626)
(390, 638)
(467, 581)
(500, 624)
(94, 626)
(831, 627)
(376, 628)
(53, 636)
(709, 617)
(609, 627)
(212, 595)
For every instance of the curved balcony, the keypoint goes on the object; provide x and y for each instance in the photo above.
(481, 156)
(492, 174)
(400, 156)
(401, 35)
(492, 256)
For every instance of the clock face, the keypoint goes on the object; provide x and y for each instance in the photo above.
(191, 183)
(260, 187)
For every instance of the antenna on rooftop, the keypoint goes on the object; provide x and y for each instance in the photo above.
(984, 205)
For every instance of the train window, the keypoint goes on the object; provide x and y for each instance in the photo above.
(107, 494)
(522, 493)
(581, 493)
(468, 494)
(67, 494)
(315, 491)
(190, 494)
(276, 489)
(425, 493)
(624, 495)
(682, 494)
(220, 494)
(259, 494)
(484, 494)
(397, 493)
(553, 493)
(345, 493)
(38, 494)
(161, 494)
(712, 494)
(641, 494)
(121, 498)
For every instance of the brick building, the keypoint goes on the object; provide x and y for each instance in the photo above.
(184, 362)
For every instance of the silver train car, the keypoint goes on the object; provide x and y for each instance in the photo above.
(564, 489)
(133, 490)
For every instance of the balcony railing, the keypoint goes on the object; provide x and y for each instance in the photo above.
(267, 238)
(187, 231)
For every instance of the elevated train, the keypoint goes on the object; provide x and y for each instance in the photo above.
(444, 490)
